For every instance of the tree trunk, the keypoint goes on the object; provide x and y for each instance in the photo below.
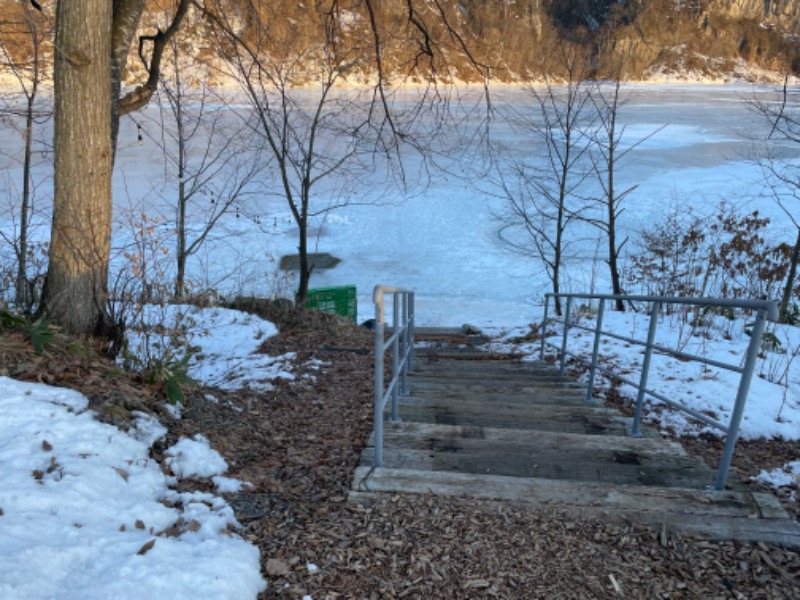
(75, 290)
(613, 265)
(22, 297)
(790, 279)
(127, 14)
(612, 200)
(180, 277)
(305, 270)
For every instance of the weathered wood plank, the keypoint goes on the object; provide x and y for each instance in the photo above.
(429, 368)
(576, 464)
(526, 382)
(548, 492)
(498, 396)
(523, 404)
(422, 435)
(714, 515)
(570, 419)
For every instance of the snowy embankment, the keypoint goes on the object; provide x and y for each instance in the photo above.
(85, 513)
(773, 407)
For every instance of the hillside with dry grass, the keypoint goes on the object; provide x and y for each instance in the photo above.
(469, 40)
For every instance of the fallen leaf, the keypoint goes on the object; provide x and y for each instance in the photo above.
(46, 446)
(146, 548)
(139, 524)
(122, 473)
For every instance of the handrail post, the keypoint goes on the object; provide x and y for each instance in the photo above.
(636, 429)
(753, 349)
(411, 318)
(379, 342)
(401, 342)
(395, 353)
(404, 347)
(544, 325)
(595, 349)
(563, 367)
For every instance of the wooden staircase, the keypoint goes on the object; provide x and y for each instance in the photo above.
(488, 426)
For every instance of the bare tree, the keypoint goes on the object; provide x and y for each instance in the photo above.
(607, 155)
(783, 176)
(31, 30)
(321, 139)
(208, 149)
(543, 191)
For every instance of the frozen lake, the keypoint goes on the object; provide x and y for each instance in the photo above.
(441, 239)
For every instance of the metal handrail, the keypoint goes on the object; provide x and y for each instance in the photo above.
(765, 310)
(401, 343)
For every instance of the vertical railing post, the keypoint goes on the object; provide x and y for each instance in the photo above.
(379, 343)
(404, 347)
(563, 367)
(636, 429)
(544, 325)
(753, 349)
(401, 343)
(595, 349)
(411, 318)
(395, 354)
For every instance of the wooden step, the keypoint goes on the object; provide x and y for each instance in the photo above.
(515, 453)
(714, 515)
(496, 389)
(420, 436)
(586, 419)
(479, 426)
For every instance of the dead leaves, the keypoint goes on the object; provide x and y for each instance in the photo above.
(54, 470)
(146, 548)
(80, 365)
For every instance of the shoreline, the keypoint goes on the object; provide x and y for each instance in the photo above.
(750, 77)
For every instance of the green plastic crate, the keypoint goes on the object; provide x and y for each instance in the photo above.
(336, 300)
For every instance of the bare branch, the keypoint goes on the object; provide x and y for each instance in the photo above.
(141, 96)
